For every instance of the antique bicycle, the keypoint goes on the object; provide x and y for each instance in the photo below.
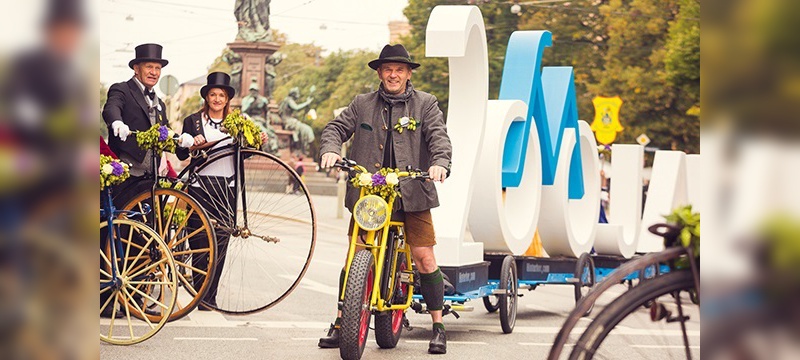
(265, 236)
(137, 268)
(181, 221)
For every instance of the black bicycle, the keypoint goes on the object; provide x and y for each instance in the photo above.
(662, 299)
(264, 223)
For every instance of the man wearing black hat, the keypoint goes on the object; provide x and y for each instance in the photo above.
(379, 125)
(133, 106)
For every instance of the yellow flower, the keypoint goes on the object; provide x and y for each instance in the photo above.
(108, 169)
(391, 179)
(365, 179)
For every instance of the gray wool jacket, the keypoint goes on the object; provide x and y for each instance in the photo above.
(422, 148)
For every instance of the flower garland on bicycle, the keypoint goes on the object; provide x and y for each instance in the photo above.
(382, 183)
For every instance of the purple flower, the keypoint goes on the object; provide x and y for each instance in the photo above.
(378, 179)
(118, 169)
(163, 132)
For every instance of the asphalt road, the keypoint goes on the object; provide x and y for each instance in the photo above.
(291, 329)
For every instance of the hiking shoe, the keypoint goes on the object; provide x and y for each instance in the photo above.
(438, 344)
(330, 341)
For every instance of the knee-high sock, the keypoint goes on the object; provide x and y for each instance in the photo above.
(432, 289)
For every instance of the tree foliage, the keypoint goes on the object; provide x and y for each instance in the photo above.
(646, 52)
(433, 76)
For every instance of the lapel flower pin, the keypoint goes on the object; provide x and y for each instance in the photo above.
(406, 122)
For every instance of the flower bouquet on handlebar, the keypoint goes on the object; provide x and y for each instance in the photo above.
(243, 129)
(378, 275)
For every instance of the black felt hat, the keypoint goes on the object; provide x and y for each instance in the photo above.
(148, 53)
(393, 53)
(218, 80)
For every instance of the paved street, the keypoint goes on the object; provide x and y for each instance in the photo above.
(291, 329)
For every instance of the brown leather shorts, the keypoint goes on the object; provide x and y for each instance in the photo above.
(418, 227)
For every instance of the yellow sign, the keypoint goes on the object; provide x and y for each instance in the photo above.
(606, 123)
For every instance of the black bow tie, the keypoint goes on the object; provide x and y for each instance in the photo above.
(151, 94)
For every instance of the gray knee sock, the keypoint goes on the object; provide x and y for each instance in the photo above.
(432, 289)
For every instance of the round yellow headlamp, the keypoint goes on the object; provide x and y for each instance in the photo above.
(371, 212)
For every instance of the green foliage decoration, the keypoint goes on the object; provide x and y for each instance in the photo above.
(243, 128)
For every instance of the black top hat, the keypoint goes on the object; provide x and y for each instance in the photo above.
(393, 53)
(218, 80)
(148, 53)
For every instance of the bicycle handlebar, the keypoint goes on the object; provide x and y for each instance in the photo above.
(351, 165)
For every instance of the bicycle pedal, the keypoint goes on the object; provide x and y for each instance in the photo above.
(405, 278)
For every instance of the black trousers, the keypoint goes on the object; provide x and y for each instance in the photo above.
(217, 198)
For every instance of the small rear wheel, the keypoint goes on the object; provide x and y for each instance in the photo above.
(491, 303)
(356, 310)
(508, 301)
(389, 324)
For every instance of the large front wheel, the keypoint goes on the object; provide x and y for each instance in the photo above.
(265, 227)
(356, 311)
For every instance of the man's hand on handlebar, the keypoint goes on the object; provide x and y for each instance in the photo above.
(329, 159)
(437, 173)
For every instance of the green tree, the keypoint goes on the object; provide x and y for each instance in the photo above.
(189, 107)
(338, 78)
(634, 69)
(433, 74)
(579, 40)
(682, 61)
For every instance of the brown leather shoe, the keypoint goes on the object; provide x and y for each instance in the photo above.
(438, 344)
(331, 341)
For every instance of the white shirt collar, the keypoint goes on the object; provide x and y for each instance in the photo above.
(139, 83)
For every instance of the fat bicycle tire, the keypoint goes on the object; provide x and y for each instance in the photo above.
(356, 311)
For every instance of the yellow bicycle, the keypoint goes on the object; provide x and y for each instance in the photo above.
(379, 272)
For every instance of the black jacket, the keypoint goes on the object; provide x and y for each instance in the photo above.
(126, 102)
(192, 125)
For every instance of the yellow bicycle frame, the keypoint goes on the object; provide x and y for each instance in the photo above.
(378, 249)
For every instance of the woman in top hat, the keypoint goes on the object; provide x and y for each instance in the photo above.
(206, 126)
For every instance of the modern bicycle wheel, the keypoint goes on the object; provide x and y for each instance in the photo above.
(356, 310)
(138, 270)
(187, 229)
(604, 340)
(265, 228)
(389, 324)
(508, 301)
(585, 276)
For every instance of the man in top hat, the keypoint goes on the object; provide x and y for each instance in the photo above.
(134, 106)
(379, 123)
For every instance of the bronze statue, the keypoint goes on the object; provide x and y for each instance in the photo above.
(257, 107)
(253, 19)
(303, 134)
(269, 71)
(235, 61)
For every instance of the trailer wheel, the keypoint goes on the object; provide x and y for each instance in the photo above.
(508, 302)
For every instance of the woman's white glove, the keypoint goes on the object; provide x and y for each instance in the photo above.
(120, 130)
(186, 140)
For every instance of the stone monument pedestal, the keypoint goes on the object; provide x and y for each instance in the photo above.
(254, 56)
